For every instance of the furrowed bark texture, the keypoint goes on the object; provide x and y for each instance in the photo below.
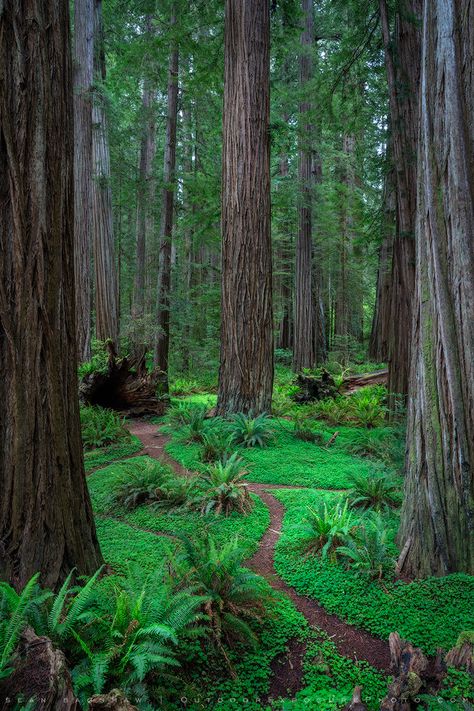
(162, 346)
(402, 57)
(246, 370)
(437, 525)
(83, 80)
(106, 286)
(379, 337)
(304, 351)
(46, 521)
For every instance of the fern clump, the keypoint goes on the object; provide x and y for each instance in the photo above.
(216, 445)
(251, 431)
(305, 433)
(235, 596)
(369, 552)
(325, 529)
(185, 413)
(151, 482)
(14, 609)
(223, 489)
(374, 492)
(101, 427)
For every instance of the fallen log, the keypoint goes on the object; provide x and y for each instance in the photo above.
(126, 386)
(354, 382)
(40, 676)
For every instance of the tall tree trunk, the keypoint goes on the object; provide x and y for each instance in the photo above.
(106, 288)
(46, 521)
(83, 80)
(145, 201)
(304, 352)
(188, 235)
(167, 215)
(437, 525)
(402, 57)
(378, 345)
(246, 366)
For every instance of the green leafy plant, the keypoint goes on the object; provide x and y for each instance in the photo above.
(151, 482)
(13, 619)
(325, 529)
(386, 444)
(101, 427)
(216, 445)
(305, 433)
(224, 490)
(235, 596)
(196, 426)
(368, 552)
(184, 413)
(251, 431)
(184, 386)
(374, 492)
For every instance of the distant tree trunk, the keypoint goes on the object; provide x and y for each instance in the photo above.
(46, 521)
(304, 352)
(188, 236)
(246, 366)
(106, 287)
(402, 57)
(83, 80)
(145, 202)
(167, 214)
(378, 345)
(437, 523)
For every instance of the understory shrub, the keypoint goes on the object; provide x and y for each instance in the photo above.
(304, 432)
(235, 596)
(325, 529)
(386, 444)
(375, 492)
(251, 431)
(184, 413)
(368, 551)
(223, 488)
(146, 481)
(216, 445)
(101, 427)
(365, 408)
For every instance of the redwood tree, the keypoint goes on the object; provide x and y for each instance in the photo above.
(167, 214)
(437, 526)
(305, 326)
(46, 521)
(83, 80)
(402, 58)
(246, 368)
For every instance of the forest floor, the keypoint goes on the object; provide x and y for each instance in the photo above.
(331, 625)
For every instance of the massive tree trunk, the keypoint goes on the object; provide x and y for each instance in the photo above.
(246, 367)
(379, 337)
(106, 287)
(437, 527)
(304, 352)
(83, 79)
(402, 56)
(145, 202)
(167, 214)
(46, 521)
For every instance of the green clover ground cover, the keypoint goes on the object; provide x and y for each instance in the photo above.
(104, 455)
(287, 460)
(430, 613)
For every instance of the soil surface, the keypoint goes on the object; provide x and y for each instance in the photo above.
(287, 668)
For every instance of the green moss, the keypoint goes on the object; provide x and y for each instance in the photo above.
(430, 613)
(104, 455)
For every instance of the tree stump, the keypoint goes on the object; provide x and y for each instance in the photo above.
(356, 703)
(126, 386)
(40, 674)
(312, 388)
(461, 656)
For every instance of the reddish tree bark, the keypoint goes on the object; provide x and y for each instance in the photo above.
(246, 367)
(46, 521)
(437, 523)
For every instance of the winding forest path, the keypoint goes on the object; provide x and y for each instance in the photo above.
(350, 641)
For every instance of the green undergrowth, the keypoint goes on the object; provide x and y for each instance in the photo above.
(122, 545)
(102, 456)
(249, 528)
(430, 613)
(287, 459)
(329, 679)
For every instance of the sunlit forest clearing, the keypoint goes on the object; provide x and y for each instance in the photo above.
(237, 355)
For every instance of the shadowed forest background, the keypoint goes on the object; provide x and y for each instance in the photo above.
(237, 355)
